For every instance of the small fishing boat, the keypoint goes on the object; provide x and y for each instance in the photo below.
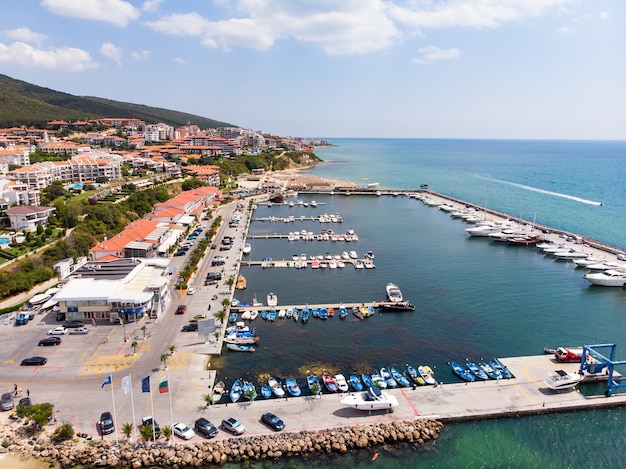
(323, 313)
(277, 389)
(414, 375)
(329, 382)
(372, 399)
(232, 317)
(343, 312)
(367, 380)
(352, 254)
(389, 379)
(236, 390)
(427, 374)
(378, 380)
(355, 382)
(292, 387)
(492, 372)
(462, 372)
(314, 383)
(271, 315)
(266, 391)
(477, 371)
(342, 384)
(357, 312)
(240, 348)
(296, 314)
(249, 390)
(315, 312)
(502, 368)
(304, 314)
(400, 378)
(331, 312)
(218, 392)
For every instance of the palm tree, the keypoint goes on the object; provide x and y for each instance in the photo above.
(172, 348)
(221, 315)
(146, 432)
(134, 346)
(167, 432)
(225, 303)
(216, 334)
(127, 429)
(230, 281)
(144, 328)
(207, 398)
(316, 389)
(164, 357)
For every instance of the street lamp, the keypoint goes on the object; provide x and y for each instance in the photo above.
(120, 312)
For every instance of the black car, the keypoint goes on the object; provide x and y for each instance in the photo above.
(206, 428)
(24, 402)
(73, 324)
(60, 316)
(53, 340)
(179, 253)
(191, 327)
(273, 421)
(106, 423)
(149, 421)
(34, 361)
(218, 260)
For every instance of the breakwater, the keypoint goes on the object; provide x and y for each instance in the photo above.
(76, 452)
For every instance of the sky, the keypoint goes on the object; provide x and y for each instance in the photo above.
(508, 69)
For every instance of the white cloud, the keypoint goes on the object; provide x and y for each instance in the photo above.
(67, 59)
(430, 54)
(346, 27)
(179, 60)
(151, 5)
(112, 52)
(117, 12)
(567, 30)
(25, 35)
(141, 56)
(604, 15)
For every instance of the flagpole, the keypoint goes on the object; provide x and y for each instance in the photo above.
(114, 413)
(132, 403)
(153, 419)
(169, 393)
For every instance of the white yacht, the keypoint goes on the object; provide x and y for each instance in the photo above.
(607, 278)
(272, 299)
(393, 293)
(372, 399)
(342, 384)
(561, 379)
(247, 248)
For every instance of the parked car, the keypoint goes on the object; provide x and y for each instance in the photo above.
(273, 421)
(73, 324)
(49, 341)
(234, 426)
(198, 317)
(79, 331)
(60, 316)
(191, 327)
(225, 247)
(34, 361)
(212, 278)
(24, 402)
(205, 428)
(218, 260)
(106, 423)
(183, 431)
(179, 253)
(58, 331)
(181, 309)
(149, 421)
(6, 401)
(191, 291)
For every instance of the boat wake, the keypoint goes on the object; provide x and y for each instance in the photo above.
(543, 191)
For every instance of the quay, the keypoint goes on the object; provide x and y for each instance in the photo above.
(303, 263)
(335, 306)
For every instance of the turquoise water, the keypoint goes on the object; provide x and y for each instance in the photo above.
(474, 298)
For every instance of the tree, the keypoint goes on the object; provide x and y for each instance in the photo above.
(216, 334)
(63, 432)
(144, 328)
(164, 358)
(172, 349)
(167, 432)
(207, 398)
(146, 432)
(221, 316)
(38, 413)
(134, 346)
(127, 429)
(250, 393)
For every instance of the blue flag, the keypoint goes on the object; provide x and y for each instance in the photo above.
(145, 384)
(106, 381)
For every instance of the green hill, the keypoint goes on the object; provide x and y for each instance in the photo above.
(23, 103)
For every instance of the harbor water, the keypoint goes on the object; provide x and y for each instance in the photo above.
(474, 298)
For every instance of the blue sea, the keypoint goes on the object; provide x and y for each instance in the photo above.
(474, 298)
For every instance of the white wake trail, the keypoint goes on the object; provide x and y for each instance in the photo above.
(543, 191)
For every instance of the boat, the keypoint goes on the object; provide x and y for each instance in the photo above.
(266, 391)
(341, 382)
(359, 265)
(292, 387)
(372, 399)
(388, 377)
(343, 312)
(247, 248)
(277, 199)
(355, 382)
(427, 374)
(561, 379)
(367, 380)
(315, 312)
(464, 373)
(502, 368)
(394, 295)
(305, 314)
(218, 392)
(329, 382)
(400, 306)
(357, 312)
(477, 371)
(282, 314)
(400, 378)
(236, 390)
(246, 315)
(241, 283)
(240, 348)
(323, 313)
(272, 299)
(331, 312)
(607, 278)
(277, 389)
(249, 390)
(414, 375)
(369, 255)
(378, 380)
(241, 338)
(232, 317)
(271, 315)
(352, 254)
(296, 314)
(39, 299)
(313, 383)
(492, 372)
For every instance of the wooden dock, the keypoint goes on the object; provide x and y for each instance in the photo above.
(243, 307)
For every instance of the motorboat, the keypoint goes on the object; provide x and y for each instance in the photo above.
(492, 372)
(329, 382)
(367, 380)
(355, 382)
(266, 391)
(292, 387)
(388, 377)
(341, 382)
(247, 248)
(604, 265)
(607, 278)
(477, 371)
(401, 306)
(305, 314)
(272, 299)
(502, 368)
(352, 254)
(236, 390)
(314, 383)
(218, 392)
(241, 283)
(343, 312)
(369, 255)
(277, 389)
(393, 293)
(427, 374)
(561, 379)
(378, 381)
(241, 338)
(249, 390)
(414, 375)
(400, 378)
(240, 348)
(372, 399)
(464, 373)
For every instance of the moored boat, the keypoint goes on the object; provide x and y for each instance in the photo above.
(247, 248)
(218, 392)
(241, 283)
(399, 377)
(501, 367)
(292, 387)
(355, 382)
(277, 389)
(249, 390)
(341, 382)
(236, 390)
(477, 371)
(389, 379)
(367, 380)
(272, 299)
(394, 295)
(240, 347)
(607, 278)
(329, 382)
(343, 312)
(414, 375)
(464, 373)
(266, 391)
(401, 306)
(427, 374)
(313, 383)
(492, 372)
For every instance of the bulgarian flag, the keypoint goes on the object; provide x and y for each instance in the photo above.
(164, 385)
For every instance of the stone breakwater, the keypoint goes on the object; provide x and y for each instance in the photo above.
(238, 449)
